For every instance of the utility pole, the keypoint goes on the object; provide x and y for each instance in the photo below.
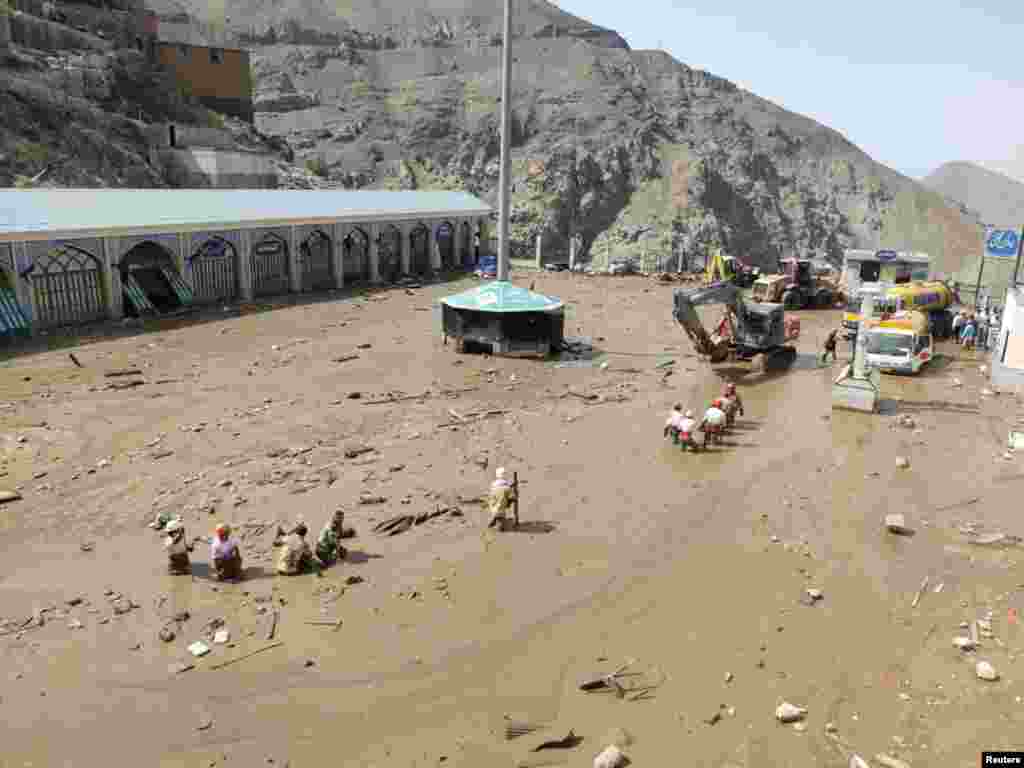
(506, 113)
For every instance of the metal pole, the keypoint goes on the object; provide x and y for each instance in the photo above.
(1020, 249)
(506, 110)
(981, 268)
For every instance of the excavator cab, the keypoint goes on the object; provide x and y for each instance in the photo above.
(720, 268)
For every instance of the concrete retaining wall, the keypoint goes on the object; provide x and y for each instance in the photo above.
(187, 136)
(218, 169)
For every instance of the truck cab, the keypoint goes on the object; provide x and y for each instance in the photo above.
(900, 342)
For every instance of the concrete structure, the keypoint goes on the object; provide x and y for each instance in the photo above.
(75, 256)
(1007, 365)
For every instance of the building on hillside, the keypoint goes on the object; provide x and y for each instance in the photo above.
(206, 59)
(219, 78)
(78, 256)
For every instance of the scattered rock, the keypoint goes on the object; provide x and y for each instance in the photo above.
(856, 761)
(964, 643)
(74, 601)
(167, 634)
(354, 579)
(896, 523)
(902, 462)
(728, 677)
(611, 757)
(789, 713)
(831, 728)
(986, 671)
(199, 648)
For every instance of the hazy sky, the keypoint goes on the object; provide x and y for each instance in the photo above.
(913, 83)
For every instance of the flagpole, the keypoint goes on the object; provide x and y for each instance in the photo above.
(504, 181)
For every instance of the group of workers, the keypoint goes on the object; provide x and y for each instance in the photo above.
(976, 329)
(295, 555)
(682, 426)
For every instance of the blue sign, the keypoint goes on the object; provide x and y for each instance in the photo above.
(1002, 243)
(886, 255)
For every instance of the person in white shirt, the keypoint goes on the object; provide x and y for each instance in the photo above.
(687, 426)
(177, 549)
(714, 420)
(672, 423)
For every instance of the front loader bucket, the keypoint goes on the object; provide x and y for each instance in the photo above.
(852, 394)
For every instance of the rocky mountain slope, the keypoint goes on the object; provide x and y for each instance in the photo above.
(998, 199)
(634, 150)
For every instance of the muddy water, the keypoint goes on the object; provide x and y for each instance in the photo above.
(660, 556)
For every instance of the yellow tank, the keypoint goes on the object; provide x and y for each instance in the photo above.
(933, 298)
(924, 297)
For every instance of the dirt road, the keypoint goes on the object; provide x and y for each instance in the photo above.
(692, 566)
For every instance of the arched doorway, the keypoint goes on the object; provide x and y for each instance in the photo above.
(317, 262)
(149, 281)
(466, 233)
(419, 241)
(270, 266)
(445, 234)
(214, 271)
(389, 252)
(356, 256)
(67, 284)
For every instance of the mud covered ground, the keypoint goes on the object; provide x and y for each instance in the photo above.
(693, 568)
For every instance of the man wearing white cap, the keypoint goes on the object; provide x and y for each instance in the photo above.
(177, 550)
(500, 500)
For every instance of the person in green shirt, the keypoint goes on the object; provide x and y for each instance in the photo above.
(328, 546)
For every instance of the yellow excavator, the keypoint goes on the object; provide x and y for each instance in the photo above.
(729, 269)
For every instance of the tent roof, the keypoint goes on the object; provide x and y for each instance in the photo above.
(502, 297)
(54, 214)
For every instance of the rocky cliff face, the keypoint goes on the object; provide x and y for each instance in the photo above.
(637, 152)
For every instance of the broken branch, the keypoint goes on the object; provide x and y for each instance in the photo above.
(247, 655)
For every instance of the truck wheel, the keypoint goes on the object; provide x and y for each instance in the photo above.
(791, 300)
(824, 300)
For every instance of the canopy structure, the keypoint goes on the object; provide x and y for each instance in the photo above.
(504, 319)
(500, 296)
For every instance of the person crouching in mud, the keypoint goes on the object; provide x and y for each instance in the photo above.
(328, 546)
(672, 423)
(177, 550)
(713, 423)
(500, 500)
(686, 429)
(226, 555)
(296, 555)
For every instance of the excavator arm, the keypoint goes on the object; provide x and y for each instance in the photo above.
(685, 313)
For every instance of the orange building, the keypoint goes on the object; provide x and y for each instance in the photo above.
(219, 78)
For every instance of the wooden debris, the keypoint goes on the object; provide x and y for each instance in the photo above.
(344, 358)
(421, 396)
(123, 372)
(75, 360)
(353, 453)
(6, 496)
(247, 655)
(469, 418)
(272, 627)
(568, 741)
(920, 591)
(514, 729)
(395, 525)
(325, 623)
(125, 384)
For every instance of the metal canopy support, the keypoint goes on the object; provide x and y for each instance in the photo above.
(506, 110)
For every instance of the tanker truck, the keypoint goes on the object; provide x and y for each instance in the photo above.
(933, 299)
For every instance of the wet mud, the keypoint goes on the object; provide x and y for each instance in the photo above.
(693, 566)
